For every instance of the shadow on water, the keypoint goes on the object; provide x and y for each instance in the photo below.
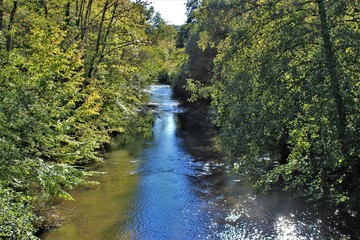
(175, 185)
(237, 211)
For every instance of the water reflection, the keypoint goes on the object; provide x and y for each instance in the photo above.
(167, 205)
(95, 210)
(176, 186)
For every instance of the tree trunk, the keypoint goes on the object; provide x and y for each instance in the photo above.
(78, 14)
(11, 22)
(101, 55)
(1, 14)
(67, 14)
(331, 65)
(98, 40)
(44, 6)
(86, 19)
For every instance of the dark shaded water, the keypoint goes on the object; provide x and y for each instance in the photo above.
(173, 185)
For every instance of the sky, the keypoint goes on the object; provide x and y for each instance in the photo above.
(173, 11)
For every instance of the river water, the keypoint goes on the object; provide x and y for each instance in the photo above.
(172, 184)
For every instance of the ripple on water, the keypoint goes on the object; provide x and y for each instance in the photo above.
(171, 187)
(253, 219)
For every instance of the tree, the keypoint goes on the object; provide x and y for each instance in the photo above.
(284, 89)
(71, 76)
(198, 66)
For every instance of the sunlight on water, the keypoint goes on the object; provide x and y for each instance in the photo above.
(286, 229)
(176, 186)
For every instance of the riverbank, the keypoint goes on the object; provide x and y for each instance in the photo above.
(173, 183)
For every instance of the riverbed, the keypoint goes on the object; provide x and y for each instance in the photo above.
(173, 184)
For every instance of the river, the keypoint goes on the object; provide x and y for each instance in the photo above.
(172, 184)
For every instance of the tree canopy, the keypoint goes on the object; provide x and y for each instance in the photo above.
(284, 82)
(72, 73)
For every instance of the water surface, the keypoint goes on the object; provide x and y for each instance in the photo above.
(174, 185)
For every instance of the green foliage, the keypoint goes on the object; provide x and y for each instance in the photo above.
(160, 62)
(72, 73)
(285, 87)
(198, 64)
(15, 215)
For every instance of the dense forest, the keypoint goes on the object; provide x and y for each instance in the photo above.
(280, 79)
(283, 82)
(72, 75)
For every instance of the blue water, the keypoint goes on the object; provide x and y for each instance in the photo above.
(173, 185)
